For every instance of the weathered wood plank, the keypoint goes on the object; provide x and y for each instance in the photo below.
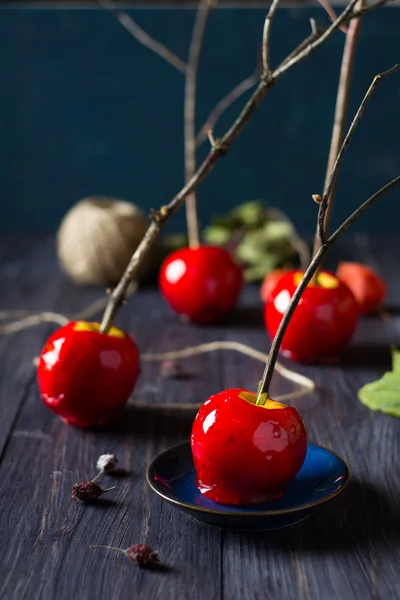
(22, 286)
(45, 537)
(349, 548)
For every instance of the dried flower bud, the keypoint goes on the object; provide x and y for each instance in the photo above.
(88, 491)
(317, 198)
(142, 555)
(106, 462)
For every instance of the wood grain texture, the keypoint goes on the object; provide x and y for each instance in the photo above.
(348, 550)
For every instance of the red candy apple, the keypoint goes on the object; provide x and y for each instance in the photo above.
(85, 376)
(323, 322)
(243, 453)
(202, 283)
(269, 283)
(368, 288)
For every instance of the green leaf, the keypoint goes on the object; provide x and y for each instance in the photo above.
(277, 231)
(215, 234)
(249, 213)
(261, 236)
(383, 394)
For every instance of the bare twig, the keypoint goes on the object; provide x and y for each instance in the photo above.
(308, 275)
(142, 36)
(265, 383)
(345, 144)
(190, 117)
(306, 42)
(357, 13)
(285, 65)
(159, 218)
(346, 15)
(211, 138)
(346, 224)
(369, 8)
(224, 104)
(323, 248)
(342, 102)
(331, 13)
(314, 28)
(266, 41)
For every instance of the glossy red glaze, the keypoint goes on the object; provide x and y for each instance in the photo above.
(86, 377)
(202, 283)
(244, 454)
(323, 322)
(368, 288)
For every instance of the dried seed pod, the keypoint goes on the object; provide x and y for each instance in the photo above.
(142, 555)
(88, 491)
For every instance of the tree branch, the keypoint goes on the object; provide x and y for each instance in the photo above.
(224, 104)
(142, 36)
(331, 13)
(323, 248)
(342, 102)
(342, 18)
(345, 144)
(265, 383)
(266, 35)
(346, 224)
(159, 218)
(190, 117)
(369, 8)
(314, 35)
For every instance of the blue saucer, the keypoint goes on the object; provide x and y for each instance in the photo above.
(323, 476)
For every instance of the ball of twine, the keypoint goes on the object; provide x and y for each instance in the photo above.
(97, 237)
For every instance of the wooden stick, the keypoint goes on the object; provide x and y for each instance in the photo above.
(142, 36)
(190, 117)
(224, 104)
(324, 246)
(266, 36)
(345, 144)
(339, 123)
(331, 13)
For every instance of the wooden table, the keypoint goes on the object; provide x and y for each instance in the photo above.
(348, 550)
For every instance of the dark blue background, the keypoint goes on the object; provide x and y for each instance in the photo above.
(85, 109)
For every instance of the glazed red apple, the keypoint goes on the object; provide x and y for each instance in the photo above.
(243, 453)
(323, 322)
(202, 284)
(86, 377)
(368, 288)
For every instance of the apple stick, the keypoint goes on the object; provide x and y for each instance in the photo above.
(219, 148)
(189, 123)
(325, 242)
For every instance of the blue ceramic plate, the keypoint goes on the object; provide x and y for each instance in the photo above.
(323, 476)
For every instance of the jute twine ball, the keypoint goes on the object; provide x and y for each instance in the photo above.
(97, 237)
